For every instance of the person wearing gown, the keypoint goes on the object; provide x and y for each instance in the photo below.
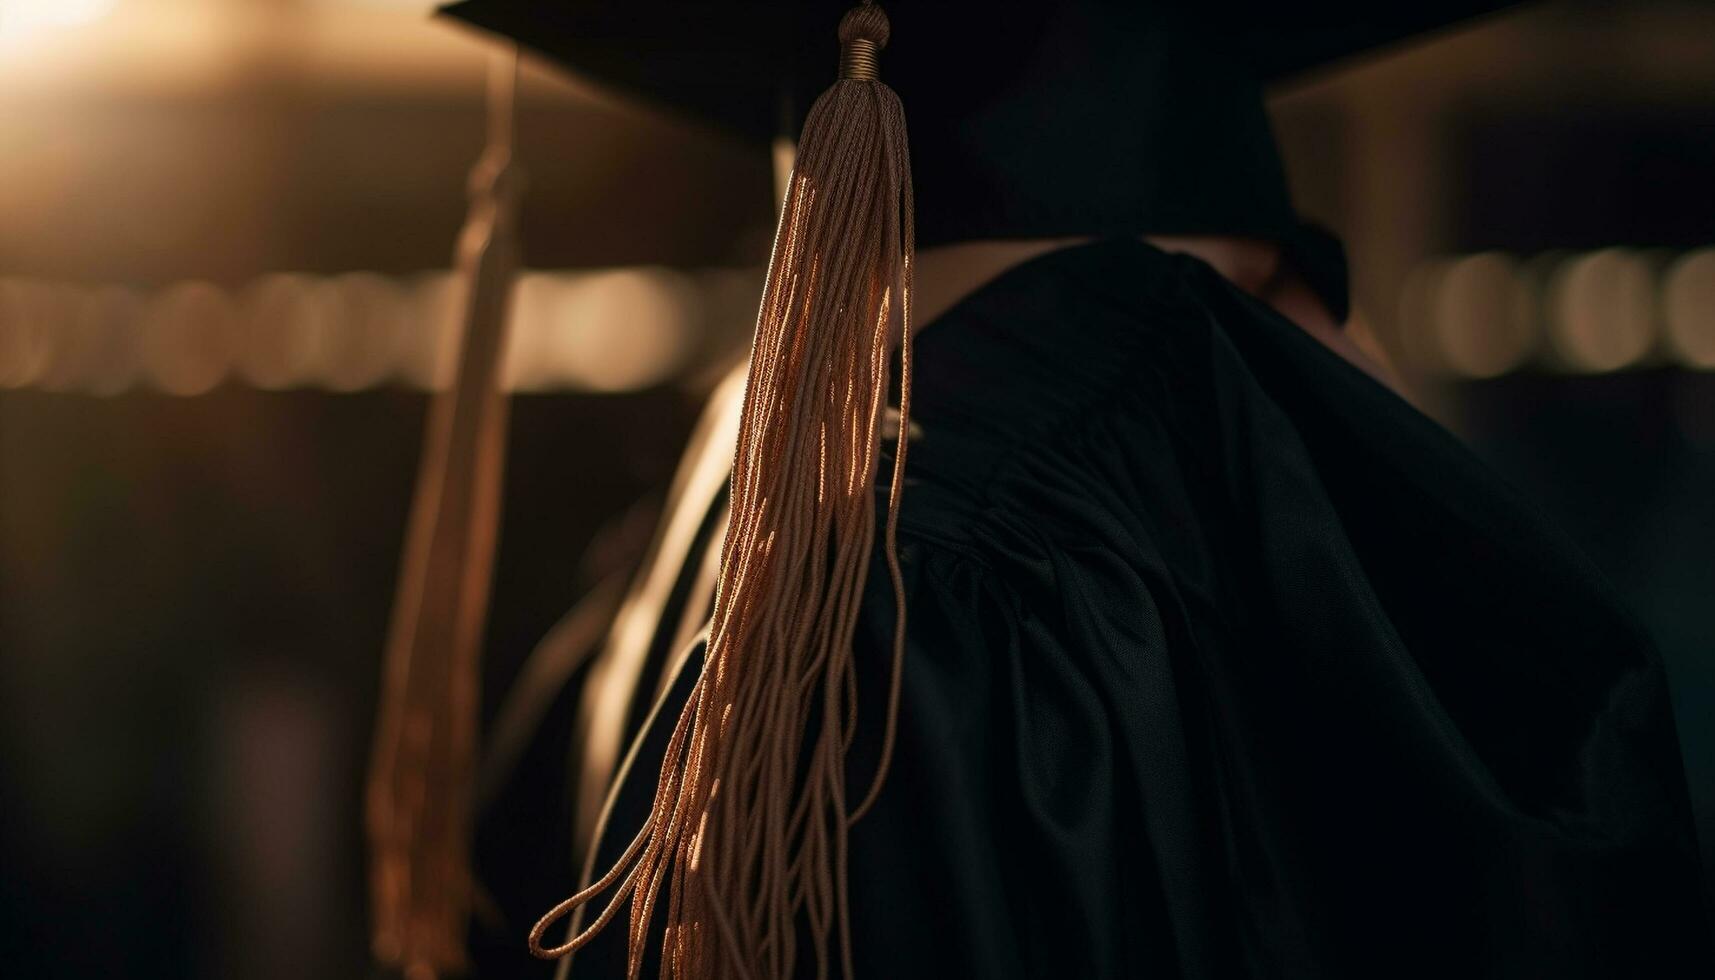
(1222, 659)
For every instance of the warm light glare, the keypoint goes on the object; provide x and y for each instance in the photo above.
(20, 19)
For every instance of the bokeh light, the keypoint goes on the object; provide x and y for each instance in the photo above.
(621, 330)
(1602, 310)
(1688, 308)
(1418, 300)
(605, 331)
(107, 320)
(369, 312)
(31, 314)
(187, 338)
(281, 320)
(1484, 315)
(616, 330)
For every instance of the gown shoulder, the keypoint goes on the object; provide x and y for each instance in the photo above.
(1225, 662)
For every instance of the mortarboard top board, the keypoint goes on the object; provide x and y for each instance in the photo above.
(728, 62)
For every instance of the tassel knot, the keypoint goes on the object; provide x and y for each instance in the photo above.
(864, 31)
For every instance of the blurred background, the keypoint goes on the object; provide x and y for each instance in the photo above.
(226, 231)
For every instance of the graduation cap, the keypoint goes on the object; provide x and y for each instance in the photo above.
(1078, 118)
(1157, 100)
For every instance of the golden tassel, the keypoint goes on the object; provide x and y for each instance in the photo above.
(749, 825)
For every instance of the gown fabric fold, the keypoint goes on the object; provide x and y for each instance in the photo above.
(1226, 662)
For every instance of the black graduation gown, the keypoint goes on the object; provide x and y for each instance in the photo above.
(1226, 662)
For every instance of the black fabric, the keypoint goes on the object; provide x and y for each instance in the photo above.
(1225, 662)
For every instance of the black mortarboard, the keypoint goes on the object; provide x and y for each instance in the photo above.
(1032, 120)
